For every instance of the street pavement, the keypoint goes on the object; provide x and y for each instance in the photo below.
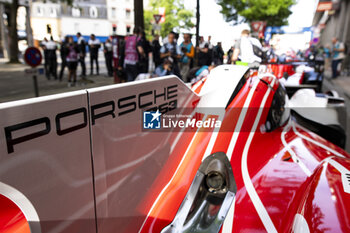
(15, 84)
(342, 86)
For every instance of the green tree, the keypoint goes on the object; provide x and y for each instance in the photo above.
(274, 12)
(176, 16)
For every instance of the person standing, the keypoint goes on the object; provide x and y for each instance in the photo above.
(187, 51)
(210, 51)
(244, 50)
(46, 57)
(82, 48)
(229, 55)
(164, 69)
(144, 48)
(108, 51)
(51, 47)
(94, 46)
(171, 50)
(156, 51)
(218, 54)
(72, 61)
(118, 48)
(63, 53)
(203, 52)
(131, 56)
(338, 55)
(327, 55)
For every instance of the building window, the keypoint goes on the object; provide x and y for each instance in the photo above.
(76, 12)
(53, 12)
(93, 12)
(113, 12)
(127, 13)
(128, 30)
(48, 28)
(39, 10)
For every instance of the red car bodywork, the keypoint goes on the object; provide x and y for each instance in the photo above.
(11, 217)
(283, 187)
(288, 179)
(280, 70)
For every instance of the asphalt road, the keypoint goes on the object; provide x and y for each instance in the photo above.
(342, 86)
(15, 84)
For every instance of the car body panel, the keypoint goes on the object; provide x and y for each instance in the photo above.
(288, 179)
(127, 160)
(52, 172)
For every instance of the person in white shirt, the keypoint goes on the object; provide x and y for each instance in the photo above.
(46, 57)
(243, 50)
(51, 47)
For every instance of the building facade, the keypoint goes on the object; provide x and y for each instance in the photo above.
(121, 16)
(100, 17)
(332, 20)
(45, 20)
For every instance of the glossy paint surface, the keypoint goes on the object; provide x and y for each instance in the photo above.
(287, 179)
(50, 171)
(277, 173)
(130, 163)
(279, 70)
(12, 219)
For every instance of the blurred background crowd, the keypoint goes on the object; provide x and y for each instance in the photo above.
(134, 57)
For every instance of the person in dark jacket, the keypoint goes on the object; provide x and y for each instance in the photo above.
(108, 51)
(94, 46)
(170, 49)
(218, 54)
(144, 49)
(229, 55)
(82, 48)
(63, 52)
(156, 51)
(203, 52)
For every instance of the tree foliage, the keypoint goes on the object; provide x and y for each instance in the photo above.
(274, 12)
(176, 16)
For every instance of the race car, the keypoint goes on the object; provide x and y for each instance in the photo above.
(227, 155)
(296, 75)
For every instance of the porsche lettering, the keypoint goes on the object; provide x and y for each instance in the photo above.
(165, 100)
